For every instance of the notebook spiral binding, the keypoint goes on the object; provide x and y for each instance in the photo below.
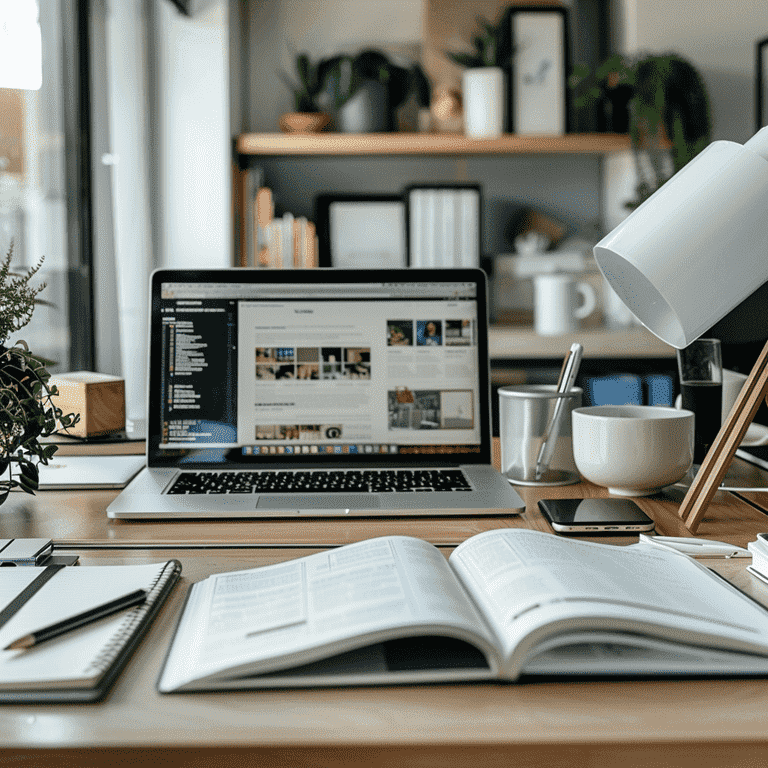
(134, 619)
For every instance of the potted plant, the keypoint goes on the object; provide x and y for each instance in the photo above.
(366, 89)
(665, 111)
(27, 412)
(483, 77)
(306, 87)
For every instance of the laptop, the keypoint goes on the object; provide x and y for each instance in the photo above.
(322, 392)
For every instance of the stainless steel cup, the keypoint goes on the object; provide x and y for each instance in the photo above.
(525, 413)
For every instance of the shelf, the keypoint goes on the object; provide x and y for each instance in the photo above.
(360, 144)
(512, 342)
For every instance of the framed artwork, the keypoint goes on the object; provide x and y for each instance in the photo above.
(444, 225)
(361, 231)
(539, 81)
(761, 84)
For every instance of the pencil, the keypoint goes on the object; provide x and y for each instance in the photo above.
(137, 597)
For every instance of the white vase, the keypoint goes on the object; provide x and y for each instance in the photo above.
(483, 92)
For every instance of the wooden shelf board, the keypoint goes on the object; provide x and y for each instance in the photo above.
(507, 342)
(357, 144)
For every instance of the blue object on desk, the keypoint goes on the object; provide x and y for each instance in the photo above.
(660, 388)
(618, 389)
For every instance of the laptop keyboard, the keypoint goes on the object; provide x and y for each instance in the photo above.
(322, 481)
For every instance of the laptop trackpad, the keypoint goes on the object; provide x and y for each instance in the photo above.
(325, 501)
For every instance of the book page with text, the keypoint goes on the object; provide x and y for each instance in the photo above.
(524, 580)
(291, 613)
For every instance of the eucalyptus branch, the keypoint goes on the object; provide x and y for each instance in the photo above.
(28, 413)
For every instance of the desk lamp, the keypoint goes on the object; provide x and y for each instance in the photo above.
(691, 253)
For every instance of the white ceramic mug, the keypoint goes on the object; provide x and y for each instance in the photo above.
(555, 303)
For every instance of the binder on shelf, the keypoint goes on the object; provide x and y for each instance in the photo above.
(443, 225)
(83, 664)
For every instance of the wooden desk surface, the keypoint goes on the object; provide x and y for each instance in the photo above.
(78, 519)
(629, 723)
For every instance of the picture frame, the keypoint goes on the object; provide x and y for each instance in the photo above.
(539, 95)
(761, 84)
(361, 231)
(444, 225)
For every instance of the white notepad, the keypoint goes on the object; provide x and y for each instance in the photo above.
(89, 471)
(79, 665)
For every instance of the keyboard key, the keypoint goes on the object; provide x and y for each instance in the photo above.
(321, 481)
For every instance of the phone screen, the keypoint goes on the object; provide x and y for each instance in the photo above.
(595, 515)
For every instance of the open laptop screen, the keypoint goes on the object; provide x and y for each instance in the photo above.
(318, 366)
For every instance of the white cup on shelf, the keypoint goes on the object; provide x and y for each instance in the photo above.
(556, 307)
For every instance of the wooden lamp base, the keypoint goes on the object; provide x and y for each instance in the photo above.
(718, 459)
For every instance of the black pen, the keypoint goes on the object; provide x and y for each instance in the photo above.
(137, 597)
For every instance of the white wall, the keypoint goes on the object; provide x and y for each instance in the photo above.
(320, 28)
(193, 139)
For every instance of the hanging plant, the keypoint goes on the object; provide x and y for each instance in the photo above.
(667, 111)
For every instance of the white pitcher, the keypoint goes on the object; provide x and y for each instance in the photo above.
(556, 309)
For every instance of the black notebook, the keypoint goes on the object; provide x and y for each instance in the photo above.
(80, 665)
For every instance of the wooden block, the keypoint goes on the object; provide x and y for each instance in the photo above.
(98, 397)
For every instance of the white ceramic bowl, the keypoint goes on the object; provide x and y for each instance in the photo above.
(632, 450)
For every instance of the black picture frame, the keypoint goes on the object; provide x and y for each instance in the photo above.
(381, 231)
(761, 84)
(538, 71)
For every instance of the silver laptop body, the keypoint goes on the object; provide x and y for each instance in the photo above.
(321, 392)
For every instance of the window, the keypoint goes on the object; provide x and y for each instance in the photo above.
(44, 181)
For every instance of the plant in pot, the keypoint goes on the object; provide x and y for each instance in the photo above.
(484, 76)
(27, 412)
(306, 87)
(366, 89)
(661, 101)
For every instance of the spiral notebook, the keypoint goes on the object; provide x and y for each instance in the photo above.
(82, 664)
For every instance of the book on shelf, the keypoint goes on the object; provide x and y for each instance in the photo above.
(82, 664)
(276, 242)
(506, 604)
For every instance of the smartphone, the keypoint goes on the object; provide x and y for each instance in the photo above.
(590, 516)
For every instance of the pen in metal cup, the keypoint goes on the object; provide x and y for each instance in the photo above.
(567, 378)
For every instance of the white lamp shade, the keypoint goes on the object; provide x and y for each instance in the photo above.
(698, 246)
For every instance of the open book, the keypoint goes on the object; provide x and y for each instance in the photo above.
(507, 603)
